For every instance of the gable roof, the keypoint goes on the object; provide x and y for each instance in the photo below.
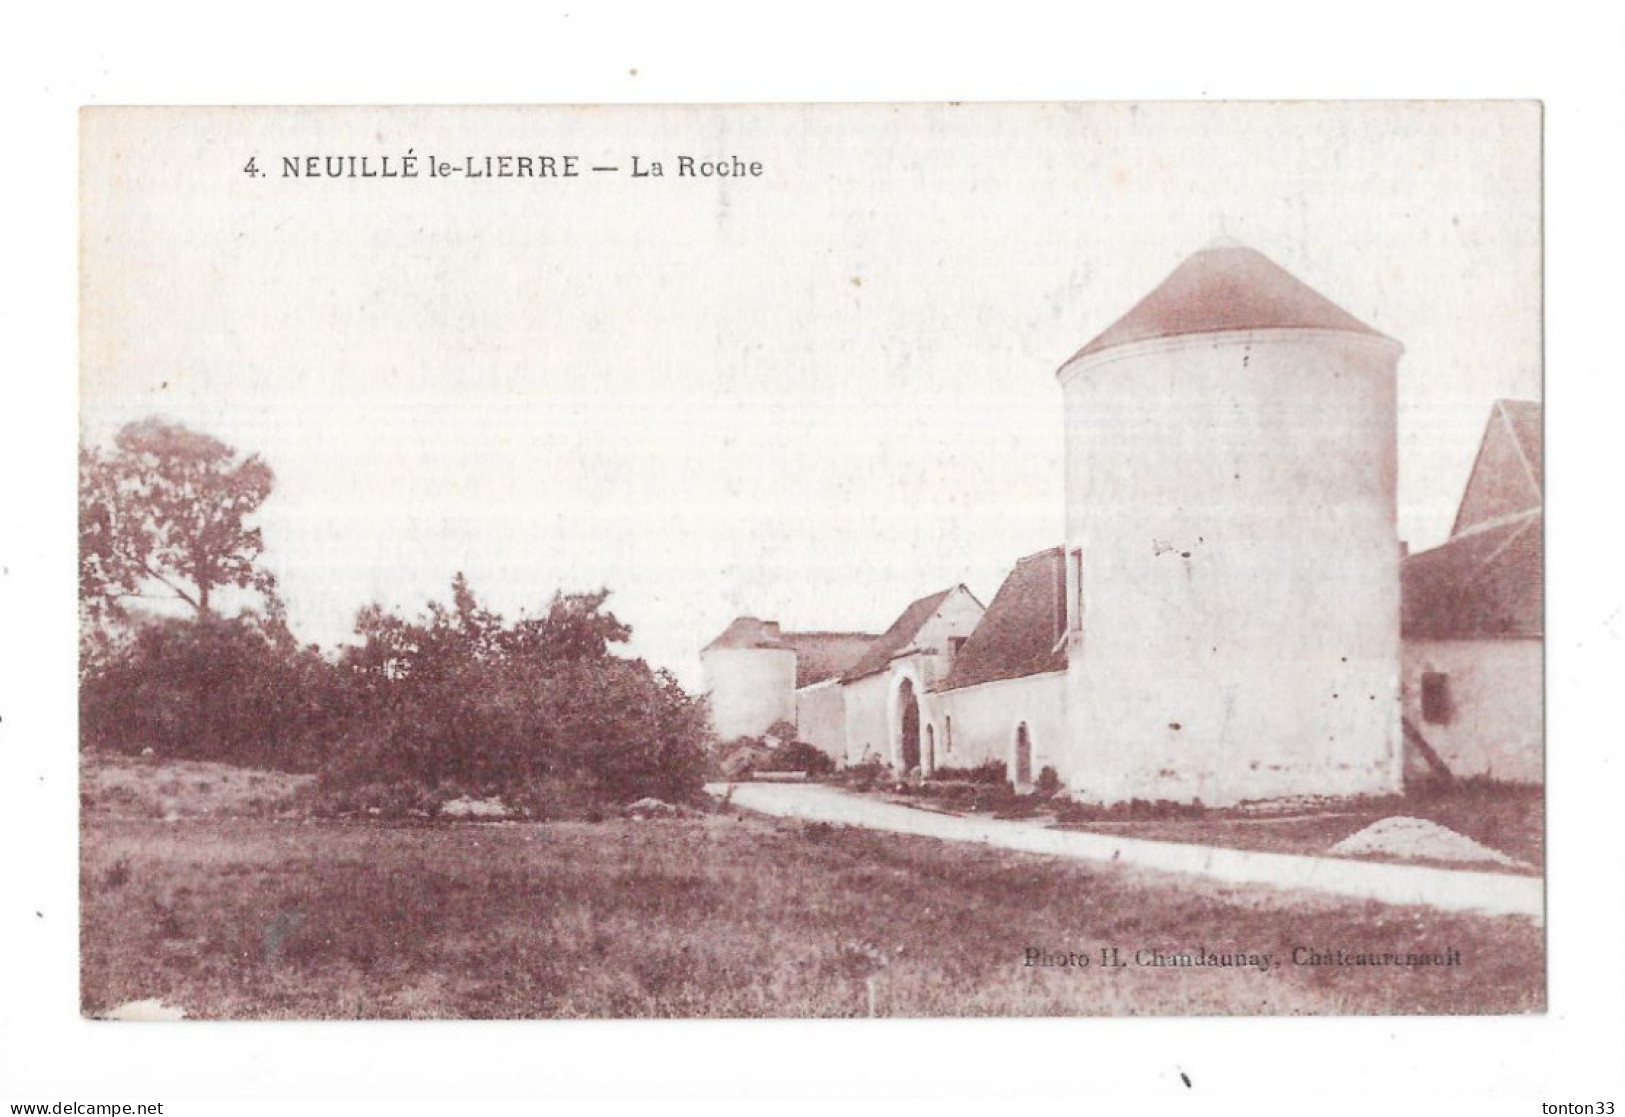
(1488, 579)
(1023, 624)
(896, 638)
(1223, 288)
(1485, 582)
(1508, 473)
(824, 655)
(819, 655)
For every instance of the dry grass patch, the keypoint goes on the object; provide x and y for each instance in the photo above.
(148, 787)
(718, 916)
(1504, 817)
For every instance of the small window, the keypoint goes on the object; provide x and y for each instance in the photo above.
(947, 735)
(1074, 590)
(1435, 697)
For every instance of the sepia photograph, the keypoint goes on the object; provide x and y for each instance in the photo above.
(1076, 559)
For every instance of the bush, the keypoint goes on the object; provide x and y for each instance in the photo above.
(1049, 781)
(456, 702)
(610, 731)
(797, 756)
(865, 774)
(537, 712)
(381, 797)
(237, 690)
(989, 771)
(782, 731)
(1132, 810)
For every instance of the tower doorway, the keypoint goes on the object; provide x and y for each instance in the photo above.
(1022, 769)
(908, 721)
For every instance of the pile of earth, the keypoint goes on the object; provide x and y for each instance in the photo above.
(1417, 839)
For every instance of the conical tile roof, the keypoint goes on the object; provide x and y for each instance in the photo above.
(1223, 288)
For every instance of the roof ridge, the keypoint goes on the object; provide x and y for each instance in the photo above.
(1500, 415)
(1016, 635)
(1491, 524)
(1488, 584)
(1504, 411)
(1484, 563)
(888, 644)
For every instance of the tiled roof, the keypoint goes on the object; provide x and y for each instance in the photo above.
(1508, 473)
(1225, 288)
(896, 638)
(1018, 634)
(1486, 582)
(819, 655)
(1488, 579)
(824, 655)
(749, 632)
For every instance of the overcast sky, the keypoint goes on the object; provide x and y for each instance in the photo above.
(811, 396)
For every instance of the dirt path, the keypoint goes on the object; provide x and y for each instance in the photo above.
(1444, 889)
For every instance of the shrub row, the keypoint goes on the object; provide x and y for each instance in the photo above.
(455, 702)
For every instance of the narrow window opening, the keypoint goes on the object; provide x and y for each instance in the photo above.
(1074, 590)
(1436, 698)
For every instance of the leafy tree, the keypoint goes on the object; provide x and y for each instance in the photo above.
(233, 689)
(537, 711)
(170, 506)
(575, 627)
(105, 576)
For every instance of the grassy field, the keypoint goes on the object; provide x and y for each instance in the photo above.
(144, 786)
(1504, 817)
(723, 915)
(1510, 819)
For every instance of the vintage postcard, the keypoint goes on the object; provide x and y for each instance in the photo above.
(812, 561)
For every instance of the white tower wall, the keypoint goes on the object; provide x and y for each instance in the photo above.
(1233, 497)
(749, 688)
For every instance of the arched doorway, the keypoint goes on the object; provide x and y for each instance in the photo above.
(1022, 770)
(908, 722)
(929, 763)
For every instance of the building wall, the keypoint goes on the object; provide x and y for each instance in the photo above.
(984, 720)
(749, 688)
(868, 723)
(1233, 496)
(1495, 726)
(821, 718)
(873, 721)
(957, 616)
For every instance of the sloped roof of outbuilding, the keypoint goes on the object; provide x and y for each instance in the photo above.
(1487, 582)
(1022, 628)
(897, 637)
(819, 655)
(1226, 287)
(824, 655)
(1508, 473)
(1488, 579)
(749, 632)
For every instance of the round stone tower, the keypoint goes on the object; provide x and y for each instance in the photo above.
(750, 677)
(1230, 487)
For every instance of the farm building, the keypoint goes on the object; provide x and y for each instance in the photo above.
(755, 673)
(1222, 620)
(1474, 608)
